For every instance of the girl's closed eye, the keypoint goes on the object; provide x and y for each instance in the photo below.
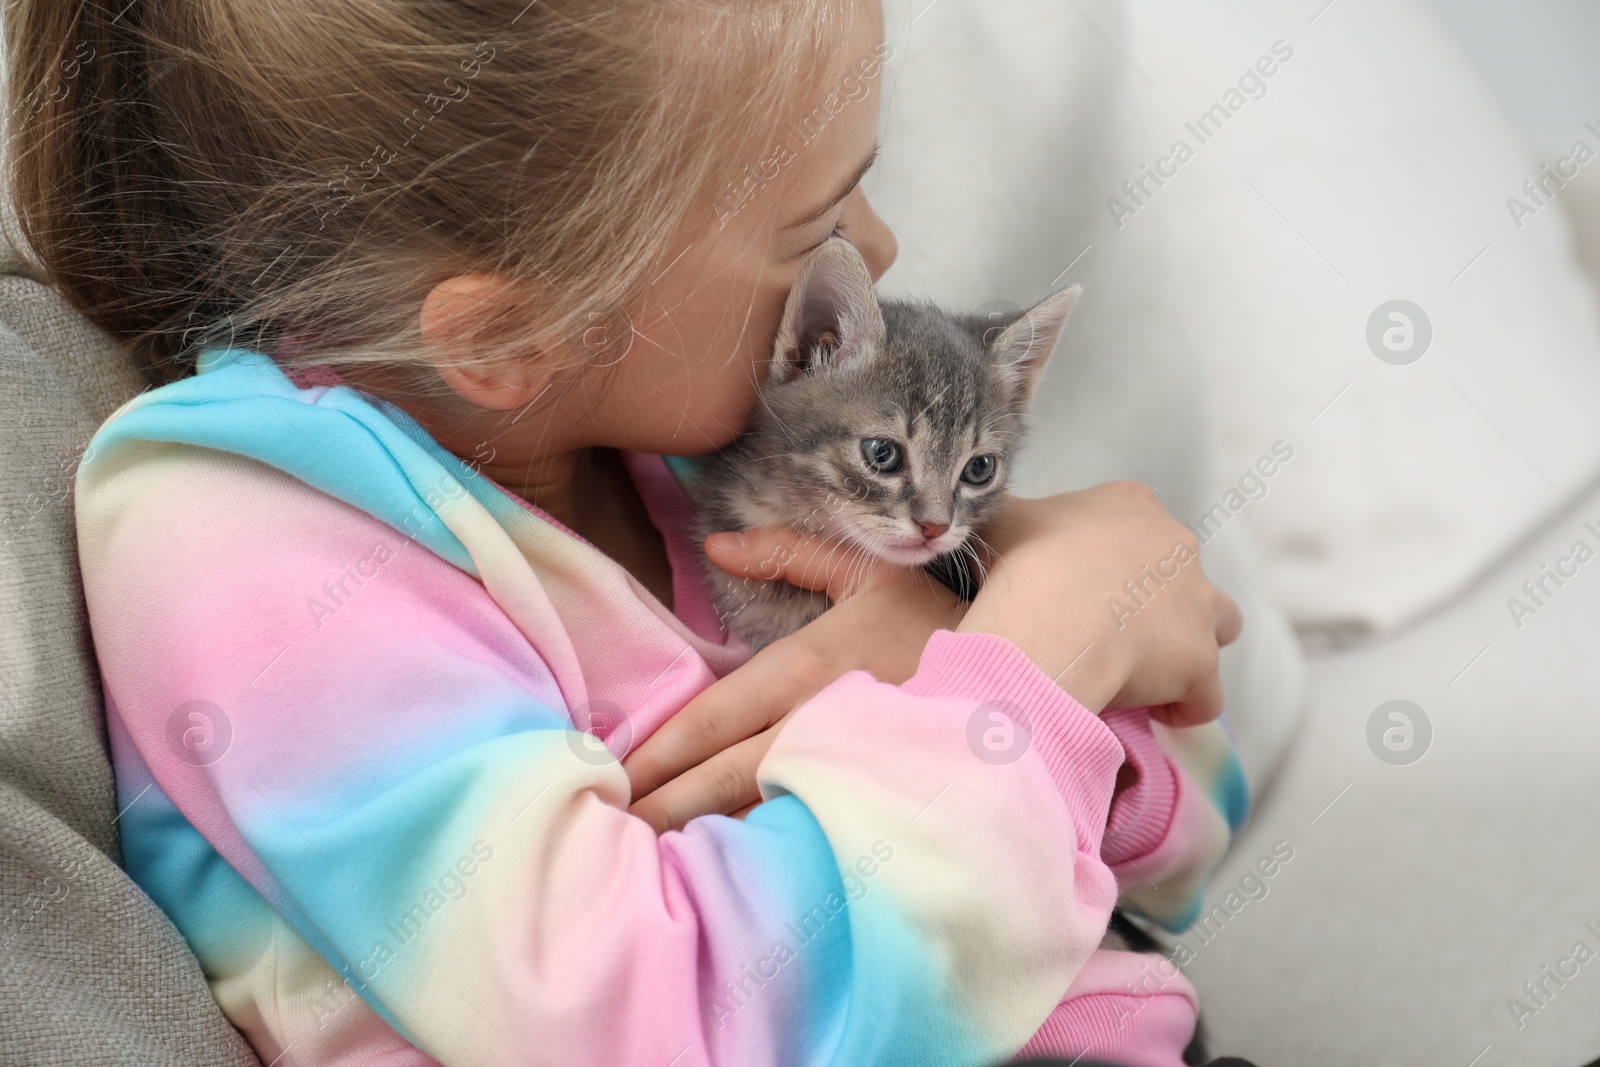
(837, 231)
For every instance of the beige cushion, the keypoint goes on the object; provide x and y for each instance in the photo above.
(94, 973)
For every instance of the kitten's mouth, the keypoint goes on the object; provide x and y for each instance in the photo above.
(914, 552)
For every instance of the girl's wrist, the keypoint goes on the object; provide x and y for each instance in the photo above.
(1090, 681)
(1090, 674)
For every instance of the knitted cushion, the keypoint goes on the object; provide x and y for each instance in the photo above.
(94, 973)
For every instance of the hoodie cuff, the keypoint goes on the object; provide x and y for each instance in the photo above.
(1142, 813)
(1079, 750)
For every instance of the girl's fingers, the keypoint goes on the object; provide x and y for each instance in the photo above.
(753, 698)
(700, 728)
(1203, 708)
(826, 565)
(722, 785)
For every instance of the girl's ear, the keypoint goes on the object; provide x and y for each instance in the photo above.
(832, 315)
(457, 314)
(1026, 344)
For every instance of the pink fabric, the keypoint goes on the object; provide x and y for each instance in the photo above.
(671, 512)
(1143, 812)
(1124, 1007)
(1120, 1006)
(1076, 747)
(1161, 831)
(1132, 1009)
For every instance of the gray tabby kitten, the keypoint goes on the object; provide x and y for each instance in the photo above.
(892, 425)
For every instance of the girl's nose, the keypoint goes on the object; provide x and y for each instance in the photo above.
(873, 238)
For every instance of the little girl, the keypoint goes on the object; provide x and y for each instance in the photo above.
(389, 573)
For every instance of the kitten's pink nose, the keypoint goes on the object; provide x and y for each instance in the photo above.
(930, 530)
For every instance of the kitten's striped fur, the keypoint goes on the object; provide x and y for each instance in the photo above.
(943, 388)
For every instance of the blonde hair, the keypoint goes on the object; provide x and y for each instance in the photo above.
(198, 172)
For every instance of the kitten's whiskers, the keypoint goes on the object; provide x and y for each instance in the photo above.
(977, 560)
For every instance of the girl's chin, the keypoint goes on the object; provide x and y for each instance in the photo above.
(708, 433)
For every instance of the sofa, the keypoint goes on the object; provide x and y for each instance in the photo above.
(1421, 747)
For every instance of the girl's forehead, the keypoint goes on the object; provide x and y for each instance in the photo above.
(826, 145)
(795, 154)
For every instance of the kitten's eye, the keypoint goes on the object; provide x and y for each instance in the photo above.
(882, 455)
(980, 470)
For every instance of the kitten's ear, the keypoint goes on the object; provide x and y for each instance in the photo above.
(1026, 344)
(832, 314)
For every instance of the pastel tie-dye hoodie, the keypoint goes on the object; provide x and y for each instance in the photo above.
(342, 672)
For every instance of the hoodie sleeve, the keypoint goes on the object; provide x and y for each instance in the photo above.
(342, 762)
(1168, 830)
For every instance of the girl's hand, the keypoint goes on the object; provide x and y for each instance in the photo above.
(1103, 590)
(703, 760)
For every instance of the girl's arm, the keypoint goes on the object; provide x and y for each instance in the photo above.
(388, 728)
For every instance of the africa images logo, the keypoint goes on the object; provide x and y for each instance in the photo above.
(199, 733)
